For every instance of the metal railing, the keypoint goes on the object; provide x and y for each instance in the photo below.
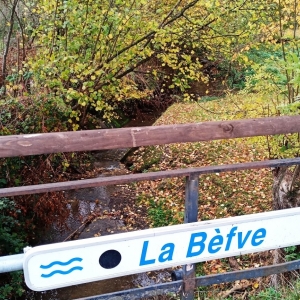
(132, 137)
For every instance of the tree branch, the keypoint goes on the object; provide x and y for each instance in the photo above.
(13, 10)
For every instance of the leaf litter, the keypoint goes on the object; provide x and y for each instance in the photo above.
(221, 195)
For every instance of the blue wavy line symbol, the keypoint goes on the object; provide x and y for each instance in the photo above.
(57, 262)
(60, 263)
(61, 272)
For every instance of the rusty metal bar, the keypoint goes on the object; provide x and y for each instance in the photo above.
(122, 179)
(191, 215)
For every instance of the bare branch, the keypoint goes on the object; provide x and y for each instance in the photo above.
(8, 39)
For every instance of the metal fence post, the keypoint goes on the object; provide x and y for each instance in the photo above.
(191, 215)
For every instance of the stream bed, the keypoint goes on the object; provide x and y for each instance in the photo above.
(98, 203)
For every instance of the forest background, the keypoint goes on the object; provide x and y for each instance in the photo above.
(81, 64)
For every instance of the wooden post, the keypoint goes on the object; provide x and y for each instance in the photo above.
(191, 215)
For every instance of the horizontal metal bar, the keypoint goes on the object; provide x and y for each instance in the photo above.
(11, 263)
(138, 293)
(247, 274)
(175, 286)
(102, 181)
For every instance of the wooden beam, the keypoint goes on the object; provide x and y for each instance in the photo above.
(88, 140)
(122, 179)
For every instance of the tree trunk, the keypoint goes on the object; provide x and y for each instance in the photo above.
(286, 194)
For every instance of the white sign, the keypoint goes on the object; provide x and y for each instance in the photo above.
(64, 264)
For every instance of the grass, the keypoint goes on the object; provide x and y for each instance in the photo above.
(289, 292)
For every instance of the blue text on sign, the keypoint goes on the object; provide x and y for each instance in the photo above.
(199, 241)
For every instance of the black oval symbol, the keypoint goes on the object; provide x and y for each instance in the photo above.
(110, 259)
